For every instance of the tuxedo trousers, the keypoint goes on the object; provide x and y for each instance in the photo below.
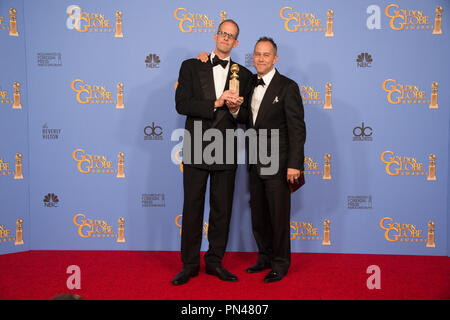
(221, 189)
(270, 202)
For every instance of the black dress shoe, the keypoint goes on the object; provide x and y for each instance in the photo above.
(273, 276)
(258, 268)
(184, 277)
(221, 273)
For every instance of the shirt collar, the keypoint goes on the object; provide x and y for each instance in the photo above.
(213, 55)
(268, 77)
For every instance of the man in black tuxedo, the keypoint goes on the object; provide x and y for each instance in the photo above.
(275, 105)
(203, 95)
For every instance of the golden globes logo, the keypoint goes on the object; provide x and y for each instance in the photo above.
(12, 26)
(306, 22)
(96, 94)
(408, 94)
(400, 232)
(194, 22)
(310, 95)
(304, 231)
(93, 22)
(4, 99)
(89, 228)
(410, 19)
(15, 102)
(408, 166)
(5, 234)
(178, 222)
(312, 167)
(88, 163)
(5, 168)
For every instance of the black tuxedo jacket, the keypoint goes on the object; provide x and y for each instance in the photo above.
(282, 109)
(195, 96)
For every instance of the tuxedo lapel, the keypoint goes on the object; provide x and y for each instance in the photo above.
(207, 80)
(269, 96)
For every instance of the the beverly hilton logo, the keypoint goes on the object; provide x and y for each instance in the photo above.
(85, 21)
(195, 22)
(97, 94)
(306, 22)
(412, 19)
(410, 94)
(97, 164)
(408, 166)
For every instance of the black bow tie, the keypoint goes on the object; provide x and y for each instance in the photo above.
(217, 61)
(259, 81)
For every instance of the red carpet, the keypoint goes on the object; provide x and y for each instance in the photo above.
(147, 275)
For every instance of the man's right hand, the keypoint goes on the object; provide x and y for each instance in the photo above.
(203, 56)
(227, 95)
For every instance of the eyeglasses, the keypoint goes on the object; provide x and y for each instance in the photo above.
(225, 34)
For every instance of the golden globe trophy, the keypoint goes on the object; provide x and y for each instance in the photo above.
(329, 33)
(327, 167)
(432, 167)
(18, 174)
(120, 166)
(19, 232)
(438, 21)
(434, 95)
(13, 23)
(326, 233)
(430, 242)
(118, 33)
(16, 103)
(223, 16)
(234, 82)
(121, 232)
(327, 104)
(119, 104)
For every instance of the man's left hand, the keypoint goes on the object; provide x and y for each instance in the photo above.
(292, 174)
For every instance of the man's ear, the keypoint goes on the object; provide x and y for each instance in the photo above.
(236, 42)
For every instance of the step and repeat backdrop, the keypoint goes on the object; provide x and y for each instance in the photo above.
(90, 154)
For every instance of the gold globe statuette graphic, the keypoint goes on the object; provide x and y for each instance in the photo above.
(234, 82)
(120, 166)
(16, 103)
(329, 32)
(121, 232)
(13, 23)
(430, 242)
(434, 96)
(326, 233)
(118, 33)
(119, 104)
(438, 21)
(327, 167)
(432, 168)
(19, 232)
(223, 16)
(18, 174)
(327, 105)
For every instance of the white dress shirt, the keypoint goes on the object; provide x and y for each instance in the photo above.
(258, 93)
(220, 76)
